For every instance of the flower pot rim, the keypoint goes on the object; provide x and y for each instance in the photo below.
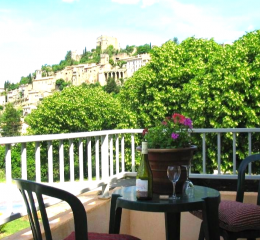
(192, 147)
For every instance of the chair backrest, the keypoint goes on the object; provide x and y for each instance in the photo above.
(241, 177)
(27, 188)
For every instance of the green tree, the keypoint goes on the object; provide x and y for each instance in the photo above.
(14, 86)
(30, 78)
(129, 49)
(216, 86)
(94, 56)
(23, 80)
(121, 63)
(110, 51)
(86, 56)
(76, 109)
(16, 161)
(26, 80)
(68, 56)
(175, 40)
(10, 121)
(146, 48)
(84, 52)
(111, 62)
(46, 70)
(91, 85)
(7, 85)
(63, 63)
(98, 50)
(6, 88)
(111, 86)
(61, 84)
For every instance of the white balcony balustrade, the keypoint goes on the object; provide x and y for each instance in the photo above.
(101, 157)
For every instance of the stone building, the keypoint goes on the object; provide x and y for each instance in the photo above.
(120, 56)
(85, 73)
(91, 72)
(66, 74)
(104, 41)
(13, 95)
(133, 63)
(75, 56)
(28, 109)
(28, 96)
(116, 73)
(44, 83)
(2, 96)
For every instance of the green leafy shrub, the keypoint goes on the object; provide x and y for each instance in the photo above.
(2, 175)
(76, 109)
(217, 86)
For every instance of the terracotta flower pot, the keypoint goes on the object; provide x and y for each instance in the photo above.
(160, 159)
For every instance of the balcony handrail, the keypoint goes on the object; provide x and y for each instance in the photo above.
(61, 136)
(225, 130)
(109, 156)
(69, 136)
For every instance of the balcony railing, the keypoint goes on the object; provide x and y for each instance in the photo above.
(107, 150)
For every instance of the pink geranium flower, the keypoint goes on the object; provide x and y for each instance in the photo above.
(178, 118)
(172, 132)
(188, 122)
(175, 135)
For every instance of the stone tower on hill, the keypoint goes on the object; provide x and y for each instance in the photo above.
(104, 41)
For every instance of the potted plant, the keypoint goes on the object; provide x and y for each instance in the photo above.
(169, 143)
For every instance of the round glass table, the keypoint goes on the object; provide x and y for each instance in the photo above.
(205, 199)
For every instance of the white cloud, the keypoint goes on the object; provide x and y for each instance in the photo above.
(126, 1)
(145, 3)
(69, 1)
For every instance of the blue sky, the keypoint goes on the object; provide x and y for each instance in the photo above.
(34, 33)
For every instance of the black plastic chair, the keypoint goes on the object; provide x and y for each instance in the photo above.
(27, 188)
(238, 219)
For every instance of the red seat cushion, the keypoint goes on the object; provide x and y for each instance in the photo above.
(236, 216)
(104, 236)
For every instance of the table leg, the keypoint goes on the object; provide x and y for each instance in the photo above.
(115, 215)
(210, 218)
(172, 225)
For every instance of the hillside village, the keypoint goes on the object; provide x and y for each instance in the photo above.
(28, 96)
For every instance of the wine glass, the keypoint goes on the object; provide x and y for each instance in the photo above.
(188, 187)
(174, 173)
